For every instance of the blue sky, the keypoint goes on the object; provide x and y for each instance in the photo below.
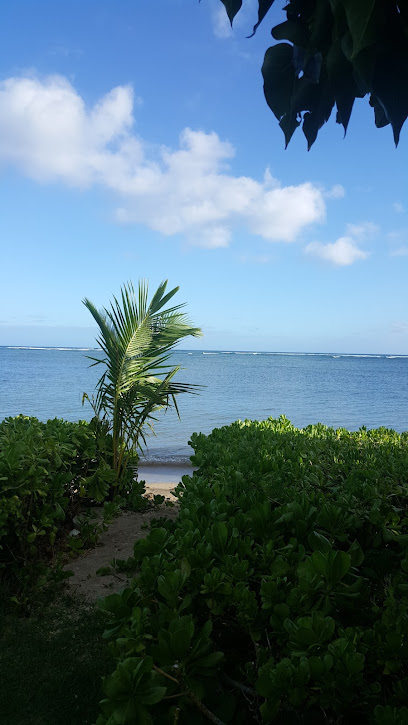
(135, 142)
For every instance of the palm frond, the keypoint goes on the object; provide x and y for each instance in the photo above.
(137, 339)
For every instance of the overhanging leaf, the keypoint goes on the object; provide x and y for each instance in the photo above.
(341, 78)
(295, 32)
(279, 77)
(321, 25)
(364, 64)
(263, 7)
(232, 7)
(390, 88)
(289, 124)
(305, 95)
(364, 20)
(315, 119)
(344, 38)
(380, 118)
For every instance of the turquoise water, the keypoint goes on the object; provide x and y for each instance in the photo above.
(339, 390)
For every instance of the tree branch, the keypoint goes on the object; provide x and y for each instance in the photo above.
(208, 714)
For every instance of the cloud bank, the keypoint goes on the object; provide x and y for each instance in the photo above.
(345, 250)
(49, 134)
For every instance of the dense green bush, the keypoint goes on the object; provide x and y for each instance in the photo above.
(45, 469)
(280, 594)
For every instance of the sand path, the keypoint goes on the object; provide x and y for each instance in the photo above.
(117, 543)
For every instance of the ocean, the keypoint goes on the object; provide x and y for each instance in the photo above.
(338, 389)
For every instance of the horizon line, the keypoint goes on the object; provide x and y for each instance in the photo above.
(82, 348)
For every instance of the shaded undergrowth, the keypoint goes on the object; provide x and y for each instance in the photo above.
(51, 663)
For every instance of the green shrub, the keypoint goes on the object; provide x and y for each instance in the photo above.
(280, 594)
(46, 469)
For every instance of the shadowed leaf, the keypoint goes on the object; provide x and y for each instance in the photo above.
(263, 7)
(279, 77)
(341, 77)
(390, 87)
(363, 19)
(295, 32)
(232, 7)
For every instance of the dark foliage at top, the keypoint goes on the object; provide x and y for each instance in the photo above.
(336, 51)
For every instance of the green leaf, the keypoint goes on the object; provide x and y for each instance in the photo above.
(263, 7)
(103, 571)
(269, 709)
(380, 119)
(341, 78)
(333, 565)
(321, 27)
(219, 534)
(363, 19)
(305, 95)
(315, 119)
(354, 663)
(340, 565)
(364, 65)
(232, 7)
(291, 30)
(356, 553)
(281, 610)
(209, 661)
(390, 88)
(289, 124)
(318, 542)
(317, 667)
(180, 634)
(169, 586)
(305, 636)
(152, 695)
(279, 77)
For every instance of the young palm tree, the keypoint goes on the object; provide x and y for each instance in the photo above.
(137, 338)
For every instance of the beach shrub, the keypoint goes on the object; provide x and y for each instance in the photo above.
(46, 470)
(279, 594)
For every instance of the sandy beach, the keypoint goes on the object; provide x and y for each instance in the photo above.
(162, 478)
(118, 541)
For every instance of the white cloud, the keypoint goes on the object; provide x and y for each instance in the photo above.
(345, 250)
(364, 230)
(220, 23)
(342, 253)
(336, 192)
(400, 252)
(211, 237)
(398, 207)
(49, 134)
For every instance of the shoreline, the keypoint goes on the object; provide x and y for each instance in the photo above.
(170, 473)
(162, 478)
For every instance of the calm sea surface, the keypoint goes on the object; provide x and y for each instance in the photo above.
(335, 389)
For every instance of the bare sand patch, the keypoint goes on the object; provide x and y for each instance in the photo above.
(117, 543)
